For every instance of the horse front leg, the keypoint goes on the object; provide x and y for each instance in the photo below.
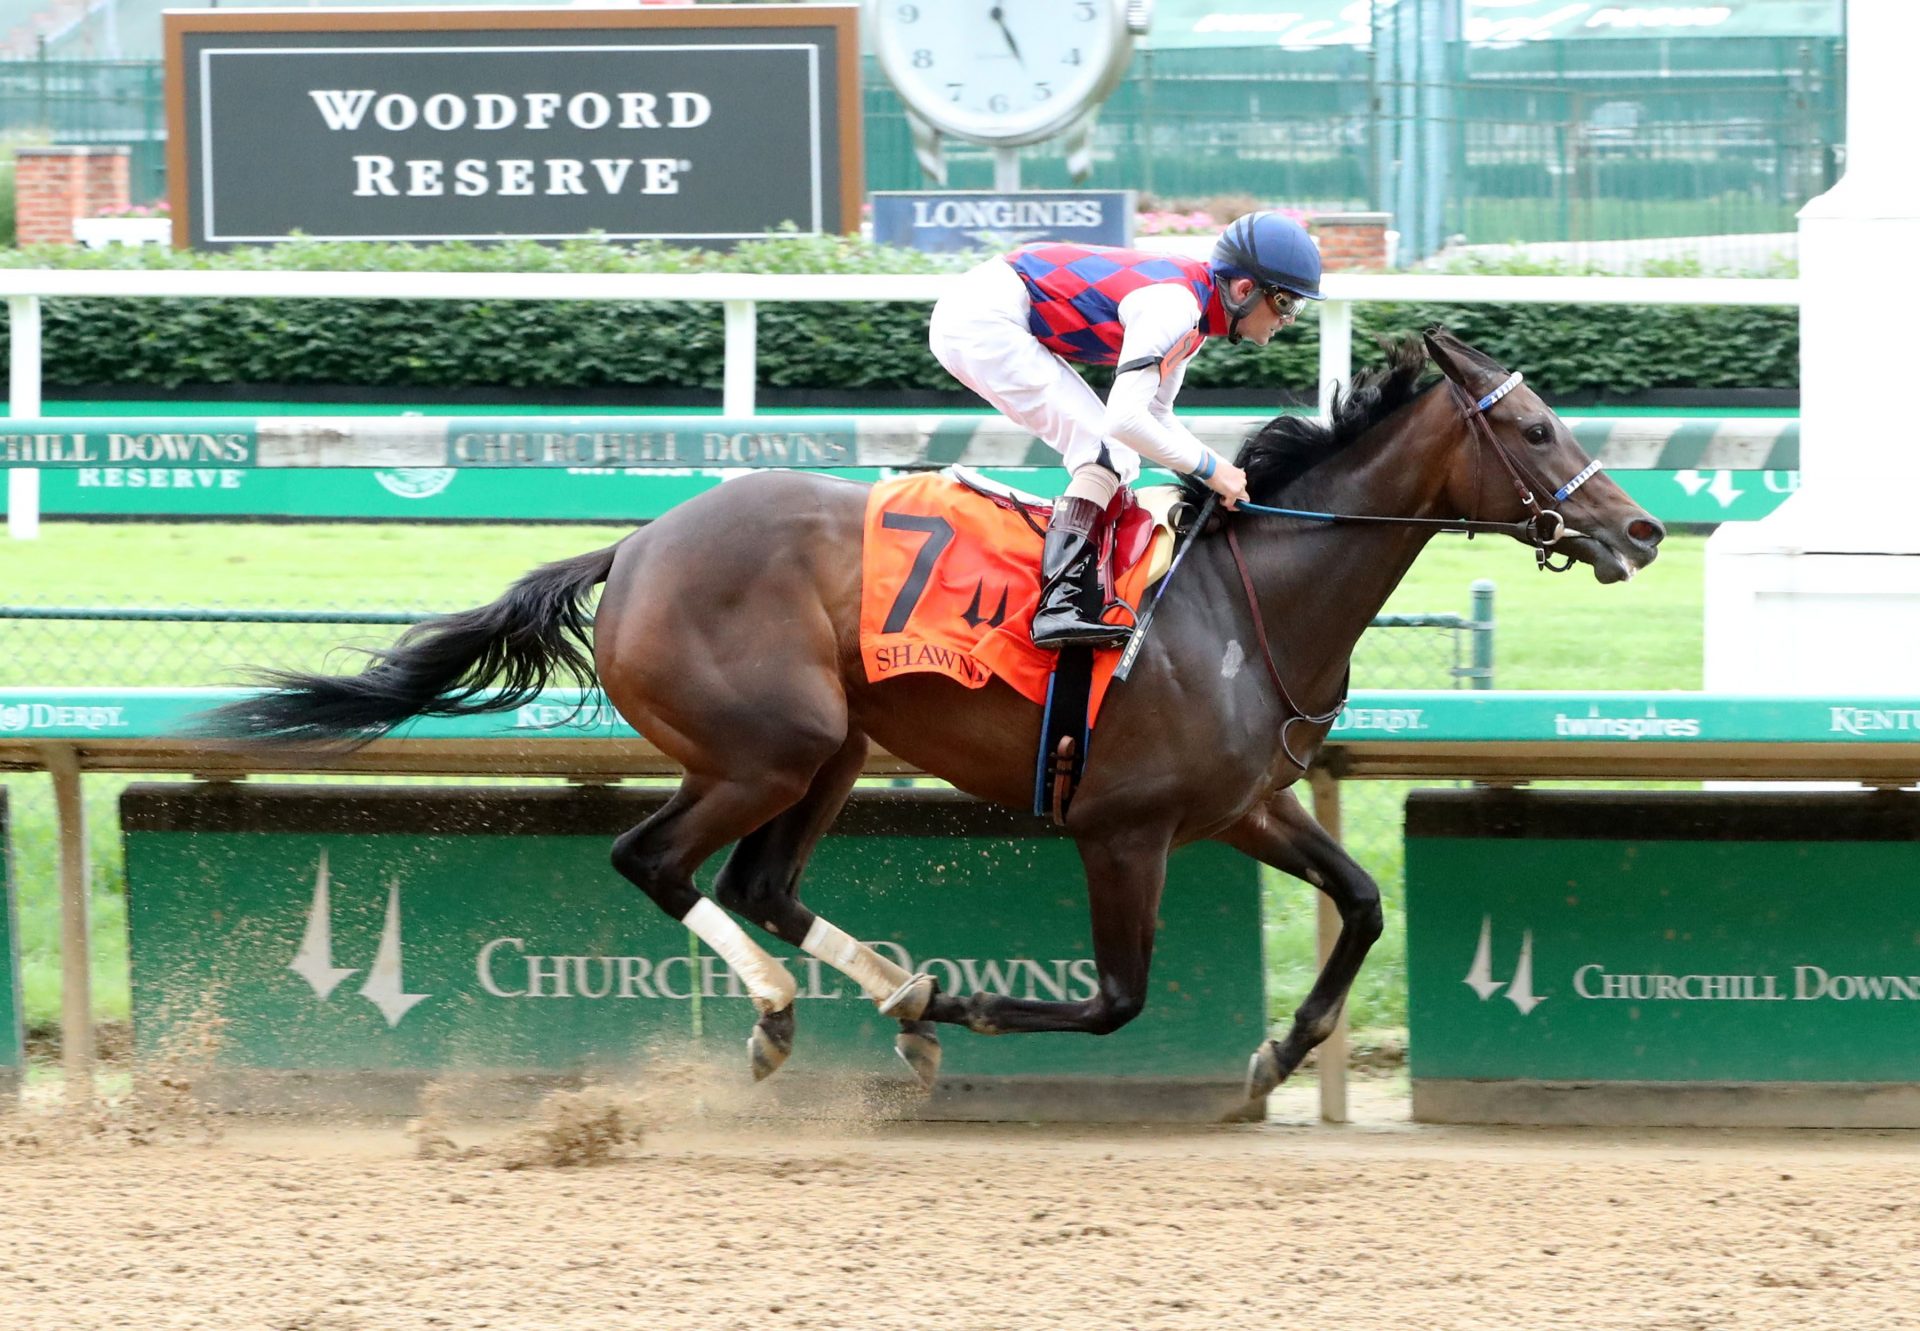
(1279, 832)
(1125, 873)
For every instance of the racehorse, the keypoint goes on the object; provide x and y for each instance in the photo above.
(728, 635)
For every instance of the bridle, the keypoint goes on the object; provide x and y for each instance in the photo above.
(1543, 529)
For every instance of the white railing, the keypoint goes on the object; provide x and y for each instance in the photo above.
(740, 293)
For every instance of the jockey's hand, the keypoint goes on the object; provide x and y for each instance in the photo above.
(1229, 482)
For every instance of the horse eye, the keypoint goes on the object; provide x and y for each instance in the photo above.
(1538, 434)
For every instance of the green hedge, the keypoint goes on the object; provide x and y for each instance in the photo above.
(172, 345)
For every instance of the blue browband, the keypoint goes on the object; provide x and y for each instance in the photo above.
(1513, 381)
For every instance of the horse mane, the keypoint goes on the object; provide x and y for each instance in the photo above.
(1287, 447)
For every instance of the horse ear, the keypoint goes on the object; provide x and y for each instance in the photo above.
(1458, 361)
(1444, 348)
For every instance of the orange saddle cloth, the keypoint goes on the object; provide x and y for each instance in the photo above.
(950, 577)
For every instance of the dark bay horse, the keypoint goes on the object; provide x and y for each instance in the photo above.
(728, 635)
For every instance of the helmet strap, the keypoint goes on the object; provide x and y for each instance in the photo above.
(1237, 310)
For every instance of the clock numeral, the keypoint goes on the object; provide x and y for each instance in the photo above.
(998, 103)
(1042, 91)
(1084, 11)
(908, 13)
(1072, 57)
(954, 90)
(923, 59)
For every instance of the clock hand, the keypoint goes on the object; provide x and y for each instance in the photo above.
(1007, 33)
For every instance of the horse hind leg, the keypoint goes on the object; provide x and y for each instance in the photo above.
(660, 857)
(760, 881)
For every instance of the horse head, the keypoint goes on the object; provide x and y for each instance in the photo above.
(1570, 506)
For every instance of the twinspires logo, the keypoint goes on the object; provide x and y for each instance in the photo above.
(1651, 726)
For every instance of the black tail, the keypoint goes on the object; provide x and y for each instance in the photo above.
(439, 667)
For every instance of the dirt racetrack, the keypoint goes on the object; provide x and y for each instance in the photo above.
(131, 1219)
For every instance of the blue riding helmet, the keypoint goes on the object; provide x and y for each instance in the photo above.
(1273, 250)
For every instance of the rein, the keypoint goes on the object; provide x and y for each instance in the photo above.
(1299, 714)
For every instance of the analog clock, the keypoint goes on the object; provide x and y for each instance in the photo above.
(1003, 72)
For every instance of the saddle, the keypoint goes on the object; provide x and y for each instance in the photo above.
(950, 576)
(1134, 519)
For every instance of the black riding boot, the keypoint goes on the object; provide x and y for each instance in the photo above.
(1071, 599)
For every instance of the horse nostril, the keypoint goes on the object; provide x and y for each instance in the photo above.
(1647, 531)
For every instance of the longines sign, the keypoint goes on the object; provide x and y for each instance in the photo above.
(699, 125)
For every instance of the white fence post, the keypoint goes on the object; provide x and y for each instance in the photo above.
(1336, 349)
(23, 400)
(736, 396)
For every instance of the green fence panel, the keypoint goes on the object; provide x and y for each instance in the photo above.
(349, 944)
(13, 1061)
(1576, 954)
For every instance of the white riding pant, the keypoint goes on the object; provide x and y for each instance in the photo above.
(979, 332)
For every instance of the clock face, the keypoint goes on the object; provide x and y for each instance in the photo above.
(1000, 71)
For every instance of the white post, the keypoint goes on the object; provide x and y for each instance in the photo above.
(1006, 170)
(736, 393)
(23, 400)
(1336, 349)
(76, 974)
(1334, 1050)
(1823, 595)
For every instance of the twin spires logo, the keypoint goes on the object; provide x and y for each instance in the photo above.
(973, 614)
(1479, 977)
(313, 962)
(1651, 726)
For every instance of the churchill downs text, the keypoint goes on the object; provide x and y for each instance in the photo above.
(612, 448)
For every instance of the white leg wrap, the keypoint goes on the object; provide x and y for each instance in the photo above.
(767, 981)
(877, 977)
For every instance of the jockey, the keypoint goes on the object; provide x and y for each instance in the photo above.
(1010, 328)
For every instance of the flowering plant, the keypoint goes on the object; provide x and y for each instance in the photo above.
(1157, 223)
(1201, 219)
(138, 210)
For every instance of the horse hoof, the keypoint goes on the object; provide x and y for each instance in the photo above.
(919, 1049)
(1263, 1071)
(909, 1001)
(770, 1042)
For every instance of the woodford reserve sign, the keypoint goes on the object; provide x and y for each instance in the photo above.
(706, 124)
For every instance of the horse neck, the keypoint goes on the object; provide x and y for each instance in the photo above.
(1320, 585)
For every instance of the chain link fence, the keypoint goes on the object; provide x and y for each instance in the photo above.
(203, 645)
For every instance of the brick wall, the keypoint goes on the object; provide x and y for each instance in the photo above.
(1352, 241)
(54, 186)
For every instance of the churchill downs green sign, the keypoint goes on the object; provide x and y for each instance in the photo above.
(369, 933)
(1676, 939)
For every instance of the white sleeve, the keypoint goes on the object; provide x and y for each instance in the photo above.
(1161, 405)
(1157, 320)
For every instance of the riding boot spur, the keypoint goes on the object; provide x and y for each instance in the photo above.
(1071, 597)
